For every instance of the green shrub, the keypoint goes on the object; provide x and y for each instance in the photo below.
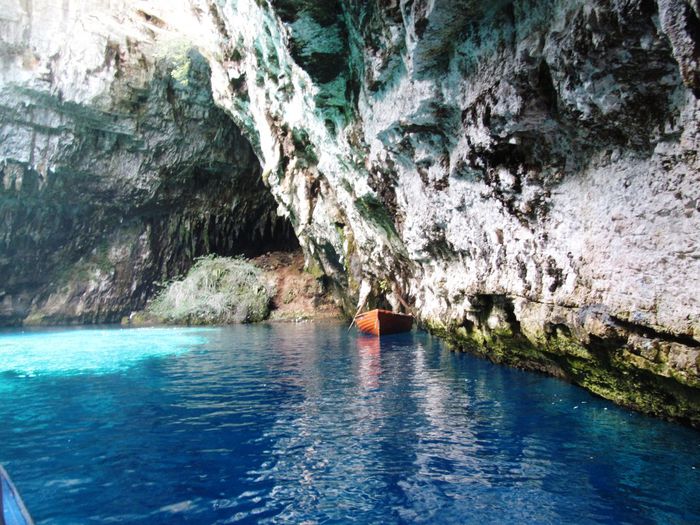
(216, 290)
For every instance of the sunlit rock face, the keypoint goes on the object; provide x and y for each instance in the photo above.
(116, 167)
(524, 174)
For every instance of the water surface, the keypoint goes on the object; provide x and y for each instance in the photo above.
(312, 424)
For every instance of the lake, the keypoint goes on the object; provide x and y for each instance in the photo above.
(310, 423)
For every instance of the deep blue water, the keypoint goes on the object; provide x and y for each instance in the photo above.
(315, 424)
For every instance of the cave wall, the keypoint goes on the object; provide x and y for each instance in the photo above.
(523, 173)
(117, 168)
(544, 174)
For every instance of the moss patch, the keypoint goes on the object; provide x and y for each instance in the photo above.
(373, 210)
(600, 366)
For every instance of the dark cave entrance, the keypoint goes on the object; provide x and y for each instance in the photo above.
(212, 200)
(216, 210)
(122, 213)
(222, 236)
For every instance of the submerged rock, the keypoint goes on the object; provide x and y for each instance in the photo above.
(523, 173)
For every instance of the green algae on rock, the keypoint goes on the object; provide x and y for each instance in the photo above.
(609, 364)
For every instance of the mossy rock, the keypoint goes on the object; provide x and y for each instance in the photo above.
(217, 290)
(601, 368)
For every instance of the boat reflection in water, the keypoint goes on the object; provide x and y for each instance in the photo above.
(12, 509)
(370, 362)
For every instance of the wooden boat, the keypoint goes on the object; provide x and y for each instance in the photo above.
(12, 509)
(383, 322)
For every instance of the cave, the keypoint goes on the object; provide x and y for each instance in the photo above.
(128, 201)
(569, 187)
(229, 195)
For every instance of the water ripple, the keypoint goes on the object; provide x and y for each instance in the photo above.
(312, 424)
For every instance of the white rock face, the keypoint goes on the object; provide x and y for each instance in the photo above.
(603, 214)
(519, 172)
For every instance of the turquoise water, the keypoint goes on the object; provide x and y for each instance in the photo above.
(315, 424)
(73, 351)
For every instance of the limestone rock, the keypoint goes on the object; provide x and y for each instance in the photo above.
(117, 168)
(526, 171)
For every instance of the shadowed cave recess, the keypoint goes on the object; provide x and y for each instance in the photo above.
(131, 198)
(522, 173)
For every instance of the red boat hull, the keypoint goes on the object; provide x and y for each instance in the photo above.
(383, 322)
